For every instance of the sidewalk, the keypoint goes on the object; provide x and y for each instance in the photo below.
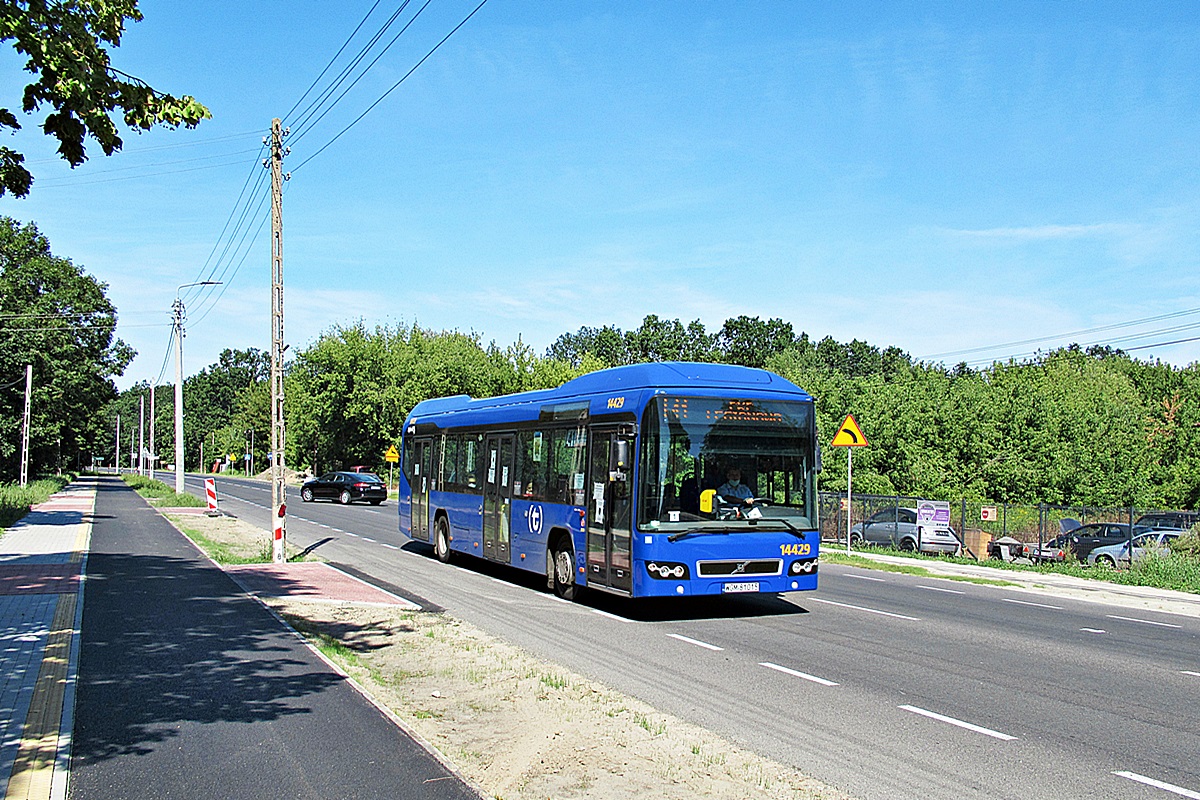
(1137, 597)
(42, 559)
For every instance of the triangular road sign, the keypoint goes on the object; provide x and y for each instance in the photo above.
(849, 434)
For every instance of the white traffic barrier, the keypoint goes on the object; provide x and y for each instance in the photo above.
(210, 489)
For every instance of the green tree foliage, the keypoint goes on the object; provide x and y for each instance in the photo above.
(58, 319)
(65, 47)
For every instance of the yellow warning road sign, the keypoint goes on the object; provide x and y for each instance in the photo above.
(849, 434)
(392, 455)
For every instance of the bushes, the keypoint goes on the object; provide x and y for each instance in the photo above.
(160, 494)
(15, 501)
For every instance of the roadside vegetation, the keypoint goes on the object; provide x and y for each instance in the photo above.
(15, 500)
(160, 494)
(1178, 570)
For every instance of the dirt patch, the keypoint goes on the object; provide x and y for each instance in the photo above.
(518, 727)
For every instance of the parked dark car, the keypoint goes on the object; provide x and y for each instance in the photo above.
(1175, 520)
(345, 487)
(1087, 538)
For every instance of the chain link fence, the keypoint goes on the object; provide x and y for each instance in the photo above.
(977, 524)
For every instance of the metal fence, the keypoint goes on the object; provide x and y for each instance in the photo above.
(976, 523)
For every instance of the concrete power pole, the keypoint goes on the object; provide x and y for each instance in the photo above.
(178, 308)
(141, 456)
(278, 440)
(153, 447)
(26, 423)
(117, 455)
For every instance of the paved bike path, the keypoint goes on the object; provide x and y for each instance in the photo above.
(189, 688)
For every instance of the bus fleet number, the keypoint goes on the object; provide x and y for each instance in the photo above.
(795, 549)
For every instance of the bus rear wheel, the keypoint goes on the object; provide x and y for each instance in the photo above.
(441, 540)
(564, 571)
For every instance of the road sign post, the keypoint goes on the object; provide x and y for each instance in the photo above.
(849, 436)
(391, 456)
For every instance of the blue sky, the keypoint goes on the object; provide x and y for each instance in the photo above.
(942, 177)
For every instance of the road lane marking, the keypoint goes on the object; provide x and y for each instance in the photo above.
(368, 539)
(606, 614)
(796, 673)
(1144, 621)
(1189, 672)
(1092, 630)
(1030, 603)
(863, 608)
(389, 546)
(1166, 787)
(696, 642)
(940, 589)
(865, 577)
(959, 723)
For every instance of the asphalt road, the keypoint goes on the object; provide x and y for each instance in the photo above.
(889, 686)
(188, 688)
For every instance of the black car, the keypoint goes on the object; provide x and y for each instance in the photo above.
(1178, 520)
(1086, 538)
(346, 487)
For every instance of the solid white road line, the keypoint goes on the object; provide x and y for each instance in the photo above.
(865, 577)
(1030, 603)
(862, 608)
(940, 589)
(1166, 787)
(1144, 621)
(796, 673)
(959, 723)
(1092, 630)
(1189, 672)
(696, 642)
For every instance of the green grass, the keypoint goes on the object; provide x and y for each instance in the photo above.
(160, 494)
(15, 501)
(223, 554)
(1179, 571)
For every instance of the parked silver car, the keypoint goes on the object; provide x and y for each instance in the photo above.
(897, 527)
(1117, 555)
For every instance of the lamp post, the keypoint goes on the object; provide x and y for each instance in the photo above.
(178, 308)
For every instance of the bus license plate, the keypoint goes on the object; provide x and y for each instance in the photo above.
(731, 588)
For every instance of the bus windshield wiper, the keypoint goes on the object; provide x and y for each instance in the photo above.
(752, 522)
(789, 526)
(675, 537)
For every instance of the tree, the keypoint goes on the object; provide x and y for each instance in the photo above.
(65, 45)
(58, 319)
(750, 341)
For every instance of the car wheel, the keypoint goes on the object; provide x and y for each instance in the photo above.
(441, 540)
(344, 497)
(376, 502)
(908, 546)
(564, 571)
(306, 495)
(855, 538)
(1106, 561)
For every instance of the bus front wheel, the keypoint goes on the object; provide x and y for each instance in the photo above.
(441, 540)
(564, 571)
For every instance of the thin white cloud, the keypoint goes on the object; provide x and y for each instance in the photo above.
(1032, 233)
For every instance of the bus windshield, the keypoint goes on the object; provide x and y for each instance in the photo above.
(694, 444)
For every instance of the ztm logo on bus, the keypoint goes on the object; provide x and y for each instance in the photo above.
(795, 549)
(616, 402)
(535, 519)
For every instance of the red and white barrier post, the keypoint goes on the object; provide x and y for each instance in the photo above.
(210, 489)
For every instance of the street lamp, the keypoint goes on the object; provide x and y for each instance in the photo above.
(178, 307)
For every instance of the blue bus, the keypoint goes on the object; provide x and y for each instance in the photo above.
(619, 481)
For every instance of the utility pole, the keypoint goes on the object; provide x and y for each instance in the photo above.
(278, 441)
(25, 424)
(117, 455)
(153, 448)
(141, 456)
(177, 307)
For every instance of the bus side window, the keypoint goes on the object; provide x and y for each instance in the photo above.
(406, 467)
(449, 466)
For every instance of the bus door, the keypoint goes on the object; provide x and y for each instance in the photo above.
(610, 486)
(422, 469)
(497, 496)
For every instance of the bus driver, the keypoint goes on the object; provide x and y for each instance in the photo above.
(733, 490)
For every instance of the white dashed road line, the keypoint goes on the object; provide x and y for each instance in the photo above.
(1092, 630)
(959, 723)
(940, 589)
(1189, 672)
(1166, 787)
(696, 642)
(865, 577)
(1144, 621)
(796, 673)
(389, 546)
(1030, 603)
(863, 608)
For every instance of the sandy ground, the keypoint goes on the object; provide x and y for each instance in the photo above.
(519, 728)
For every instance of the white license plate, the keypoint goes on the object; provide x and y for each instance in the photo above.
(732, 588)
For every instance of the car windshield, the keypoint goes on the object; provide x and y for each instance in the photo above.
(693, 444)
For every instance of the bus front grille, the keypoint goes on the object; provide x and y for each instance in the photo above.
(725, 569)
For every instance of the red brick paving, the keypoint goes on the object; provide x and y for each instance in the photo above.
(313, 580)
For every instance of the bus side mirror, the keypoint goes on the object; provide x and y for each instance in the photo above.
(620, 455)
(817, 444)
(706, 500)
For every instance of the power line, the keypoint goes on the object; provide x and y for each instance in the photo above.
(66, 182)
(138, 150)
(393, 87)
(232, 212)
(333, 60)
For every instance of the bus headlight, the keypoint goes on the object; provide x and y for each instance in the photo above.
(667, 570)
(807, 566)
